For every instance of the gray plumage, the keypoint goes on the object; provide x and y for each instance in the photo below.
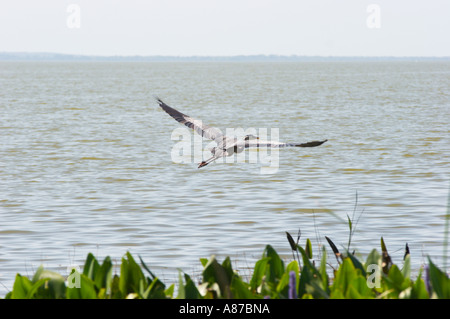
(226, 146)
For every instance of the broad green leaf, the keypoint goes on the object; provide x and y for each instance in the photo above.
(37, 274)
(144, 293)
(374, 258)
(103, 276)
(350, 282)
(310, 279)
(156, 289)
(115, 288)
(440, 282)
(276, 265)
(22, 285)
(406, 270)
(344, 277)
(359, 289)
(226, 264)
(54, 286)
(357, 263)
(258, 273)
(91, 266)
(204, 261)
(32, 292)
(323, 268)
(306, 277)
(396, 281)
(352, 293)
(123, 279)
(86, 290)
(396, 277)
(216, 273)
(419, 289)
(130, 276)
(315, 290)
(337, 294)
(169, 291)
(283, 285)
(240, 290)
(188, 290)
(181, 287)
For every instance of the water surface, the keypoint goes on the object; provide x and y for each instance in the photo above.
(85, 161)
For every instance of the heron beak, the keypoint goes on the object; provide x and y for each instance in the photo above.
(202, 164)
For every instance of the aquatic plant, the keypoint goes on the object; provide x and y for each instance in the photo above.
(376, 277)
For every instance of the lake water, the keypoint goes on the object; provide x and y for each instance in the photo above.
(86, 166)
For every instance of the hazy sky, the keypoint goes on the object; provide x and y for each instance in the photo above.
(232, 27)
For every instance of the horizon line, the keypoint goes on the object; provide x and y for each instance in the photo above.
(45, 55)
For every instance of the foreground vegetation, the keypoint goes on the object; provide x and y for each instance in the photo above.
(376, 277)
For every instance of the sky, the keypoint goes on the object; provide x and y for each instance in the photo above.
(227, 28)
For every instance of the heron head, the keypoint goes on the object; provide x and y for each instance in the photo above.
(251, 137)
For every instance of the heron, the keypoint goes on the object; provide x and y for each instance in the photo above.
(226, 145)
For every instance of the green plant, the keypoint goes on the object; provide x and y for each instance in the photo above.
(376, 277)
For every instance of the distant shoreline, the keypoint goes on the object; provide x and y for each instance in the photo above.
(46, 56)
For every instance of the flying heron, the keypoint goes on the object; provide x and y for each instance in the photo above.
(226, 146)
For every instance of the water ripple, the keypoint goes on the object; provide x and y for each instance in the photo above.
(85, 162)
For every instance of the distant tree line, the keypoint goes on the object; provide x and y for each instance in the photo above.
(46, 56)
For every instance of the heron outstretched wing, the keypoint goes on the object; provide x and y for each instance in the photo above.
(204, 130)
(273, 144)
(226, 146)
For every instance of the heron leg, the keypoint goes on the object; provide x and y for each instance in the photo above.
(209, 160)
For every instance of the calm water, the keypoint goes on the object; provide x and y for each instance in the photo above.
(85, 161)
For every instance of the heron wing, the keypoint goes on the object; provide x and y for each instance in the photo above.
(203, 130)
(307, 144)
(273, 144)
(260, 143)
